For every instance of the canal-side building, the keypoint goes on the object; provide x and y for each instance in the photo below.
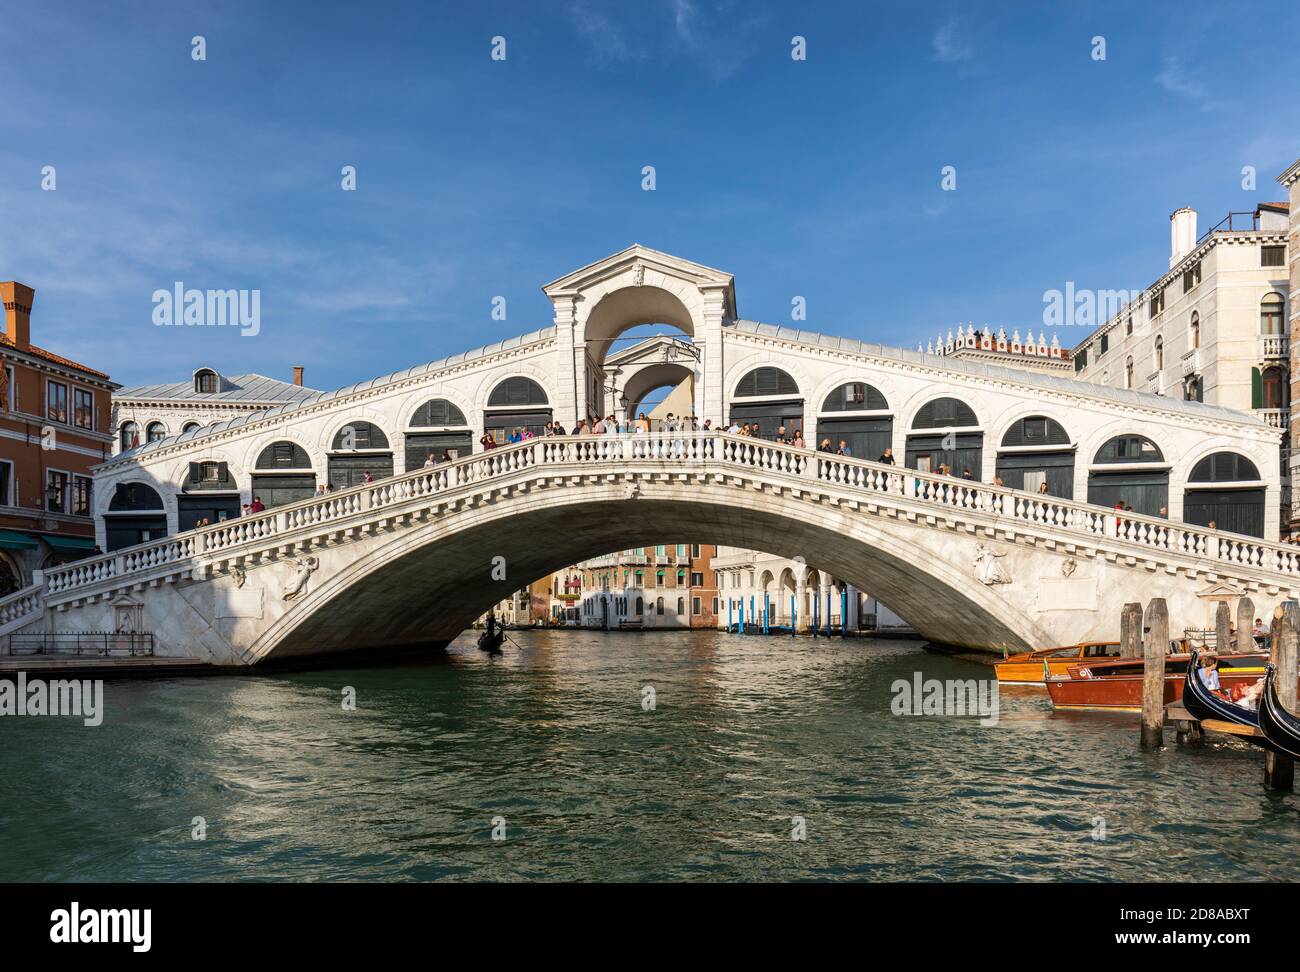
(754, 586)
(149, 413)
(1290, 180)
(54, 429)
(1211, 328)
(1001, 349)
(660, 586)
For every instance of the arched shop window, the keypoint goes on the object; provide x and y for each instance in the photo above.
(1225, 489)
(936, 440)
(1037, 450)
(1130, 470)
(781, 405)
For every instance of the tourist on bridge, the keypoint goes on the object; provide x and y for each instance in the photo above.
(887, 457)
(844, 449)
(429, 461)
(825, 446)
(798, 442)
(258, 506)
(1042, 488)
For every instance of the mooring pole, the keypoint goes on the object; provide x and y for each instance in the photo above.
(794, 620)
(828, 612)
(767, 607)
(1130, 630)
(1222, 628)
(844, 613)
(740, 629)
(1153, 680)
(1245, 624)
(1279, 770)
(731, 608)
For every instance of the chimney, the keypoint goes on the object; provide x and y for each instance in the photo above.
(297, 374)
(18, 299)
(1182, 234)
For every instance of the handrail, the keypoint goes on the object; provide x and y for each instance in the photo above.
(688, 449)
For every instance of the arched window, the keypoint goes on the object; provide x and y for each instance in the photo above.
(1194, 388)
(1036, 430)
(681, 605)
(1128, 372)
(155, 432)
(1129, 448)
(283, 455)
(944, 412)
(206, 382)
(659, 606)
(1270, 314)
(1274, 390)
(640, 605)
(517, 391)
(1194, 334)
(1224, 467)
(1160, 353)
(856, 396)
(129, 435)
(9, 576)
(132, 497)
(766, 381)
(436, 413)
(359, 435)
(190, 427)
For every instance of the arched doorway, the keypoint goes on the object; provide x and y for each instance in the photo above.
(284, 474)
(358, 449)
(437, 427)
(208, 493)
(1130, 469)
(608, 339)
(640, 390)
(857, 414)
(11, 576)
(769, 398)
(1037, 450)
(516, 404)
(946, 432)
(1225, 489)
(135, 515)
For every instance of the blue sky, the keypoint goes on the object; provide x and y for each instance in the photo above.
(479, 178)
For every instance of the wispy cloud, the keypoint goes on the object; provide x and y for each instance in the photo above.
(1176, 79)
(606, 37)
(949, 45)
(685, 16)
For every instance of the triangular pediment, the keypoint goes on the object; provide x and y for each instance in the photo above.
(651, 350)
(1219, 591)
(636, 254)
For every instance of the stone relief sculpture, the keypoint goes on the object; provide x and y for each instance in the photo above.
(296, 585)
(238, 576)
(987, 569)
(1067, 568)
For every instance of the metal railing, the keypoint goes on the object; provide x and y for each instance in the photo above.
(103, 643)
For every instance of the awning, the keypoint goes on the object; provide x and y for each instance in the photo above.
(12, 540)
(69, 544)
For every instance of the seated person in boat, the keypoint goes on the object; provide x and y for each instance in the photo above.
(1247, 696)
(1209, 676)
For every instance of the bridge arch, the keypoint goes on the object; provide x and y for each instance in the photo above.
(618, 310)
(383, 593)
(640, 384)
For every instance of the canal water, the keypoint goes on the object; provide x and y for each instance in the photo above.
(554, 745)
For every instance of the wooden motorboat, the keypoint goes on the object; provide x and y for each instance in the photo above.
(1279, 727)
(1115, 685)
(1031, 667)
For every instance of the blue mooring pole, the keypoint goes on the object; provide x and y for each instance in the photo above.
(816, 606)
(828, 612)
(844, 613)
(793, 624)
(767, 620)
(731, 607)
(740, 629)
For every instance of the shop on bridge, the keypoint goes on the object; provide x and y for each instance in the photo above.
(1034, 451)
(516, 404)
(1225, 489)
(436, 429)
(1130, 469)
(284, 474)
(358, 449)
(769, 398)
(857, 414)
(135, 515)
(946, 432)
(208, 493)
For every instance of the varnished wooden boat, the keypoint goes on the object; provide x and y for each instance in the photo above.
(1280, 727)
(1116, 685)
(1031, 667)
(1202, 704)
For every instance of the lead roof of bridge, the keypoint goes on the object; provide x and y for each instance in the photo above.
(233, 388)
(795, 335)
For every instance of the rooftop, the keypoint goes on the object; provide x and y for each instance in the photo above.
(51, 357)
(232, 388)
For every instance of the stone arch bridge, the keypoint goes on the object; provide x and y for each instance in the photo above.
(409, 561)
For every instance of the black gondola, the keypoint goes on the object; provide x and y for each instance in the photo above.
(1279, 726)
(492, 636)
(1203, 704)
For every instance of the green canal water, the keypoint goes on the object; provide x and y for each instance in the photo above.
(553, 739)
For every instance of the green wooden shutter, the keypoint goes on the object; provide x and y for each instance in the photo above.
(1256, 389)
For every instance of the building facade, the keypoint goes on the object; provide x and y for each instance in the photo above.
(1212, 328)
(54, 429)
(661, 586)
(1290, 180)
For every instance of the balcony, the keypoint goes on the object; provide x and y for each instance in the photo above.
(1191, 362)
(1277, 418)
(1274, 347)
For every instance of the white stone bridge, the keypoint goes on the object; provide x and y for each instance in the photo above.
(407, 560)
(410, 561)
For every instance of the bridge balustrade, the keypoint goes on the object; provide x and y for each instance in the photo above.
(577, 453)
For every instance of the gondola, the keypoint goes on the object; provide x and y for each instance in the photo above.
(1279, 726)
(491, 638)
(1203, 704)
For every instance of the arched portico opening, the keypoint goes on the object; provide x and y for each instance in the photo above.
(284, 474)
(640, 388)
(945, 432)
(135, 515)
(209, 494)
(437, 430)
(1130, 470)
(1036, 452)
(359, 449)
(768, 398)
(1225, 489)
(516, 405)
(858, 415)
(607, 335)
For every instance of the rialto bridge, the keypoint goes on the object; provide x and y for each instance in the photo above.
(413, 557)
